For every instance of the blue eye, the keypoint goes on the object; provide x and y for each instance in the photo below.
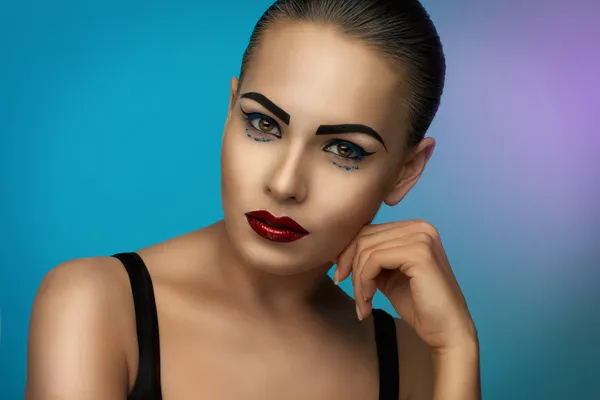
(346, 150)
(262, 124)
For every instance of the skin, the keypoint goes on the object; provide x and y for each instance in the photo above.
(233, 307)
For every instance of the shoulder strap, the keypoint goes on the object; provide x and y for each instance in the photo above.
(387, 354)
(147, 382)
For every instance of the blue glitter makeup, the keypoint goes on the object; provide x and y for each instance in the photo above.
(257, 139)
(350, 168)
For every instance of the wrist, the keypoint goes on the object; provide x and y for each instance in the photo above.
(457, 372)
(464, 343)
(466, 348)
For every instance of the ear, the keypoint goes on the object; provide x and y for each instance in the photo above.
(233, 88)
(411, 170)
(233, 92)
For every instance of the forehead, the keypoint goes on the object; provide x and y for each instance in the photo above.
(317, 73)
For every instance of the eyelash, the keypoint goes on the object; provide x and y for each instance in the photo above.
(249, 117)
(361, 153)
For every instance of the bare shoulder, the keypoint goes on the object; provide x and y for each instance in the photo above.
(416, 364)
(80, 325)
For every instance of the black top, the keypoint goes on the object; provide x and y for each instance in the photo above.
(147, 384)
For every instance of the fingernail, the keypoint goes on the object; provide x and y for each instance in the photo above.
(336, 278)
(358, 313)
(368, 291)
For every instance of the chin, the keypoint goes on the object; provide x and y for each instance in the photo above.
(271, 257)
(274, 264)
(274, 261)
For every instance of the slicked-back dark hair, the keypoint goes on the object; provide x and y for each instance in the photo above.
(401, 30)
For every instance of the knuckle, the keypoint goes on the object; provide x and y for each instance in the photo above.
(363, 258)
(424, 238)
(369, 258)
(423, 250)
(361, 243)
(428, 229)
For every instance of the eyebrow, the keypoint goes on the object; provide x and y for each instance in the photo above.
(269, 105)
(350, 128)
(323, 129)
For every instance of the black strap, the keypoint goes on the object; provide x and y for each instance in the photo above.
(387, 354)
(147, 383)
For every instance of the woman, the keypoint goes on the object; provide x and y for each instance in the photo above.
(326, 122)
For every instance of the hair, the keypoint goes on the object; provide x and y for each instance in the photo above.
(401, 30)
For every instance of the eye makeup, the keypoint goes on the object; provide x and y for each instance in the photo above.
(285, 117)
(346, 152)
(269, 105)
(254, 129)
(262, 128)
(347, 168)
(350, 128)
(356, 152)
(256, 139)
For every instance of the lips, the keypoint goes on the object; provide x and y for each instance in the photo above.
(276, 229)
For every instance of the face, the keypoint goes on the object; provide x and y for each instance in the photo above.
(315, 134)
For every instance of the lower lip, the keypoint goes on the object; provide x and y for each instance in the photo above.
(279, 235)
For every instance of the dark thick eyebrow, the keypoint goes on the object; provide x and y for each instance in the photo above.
(269, 105)
(350, 128)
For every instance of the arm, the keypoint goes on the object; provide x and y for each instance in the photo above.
(457, 373)
(74, 352)
(425, 375)
(417, 371)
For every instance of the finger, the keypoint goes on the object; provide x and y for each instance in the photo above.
(407, 255)
(402, 257)
(368, 289)
(364, 291)
(427, 233)
(368, 239)
(373, 228)
(369, 235)
(364, 242)
(409, 233)
(345, 260)
(344, 263)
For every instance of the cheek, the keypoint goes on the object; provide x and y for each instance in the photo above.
(243, 162)
(346, 201)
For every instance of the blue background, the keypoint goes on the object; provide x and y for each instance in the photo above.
(111, 116)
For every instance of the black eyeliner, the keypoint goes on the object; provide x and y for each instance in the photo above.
(262, 115)
(363, 152)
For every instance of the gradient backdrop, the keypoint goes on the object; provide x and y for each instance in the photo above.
(111, 115)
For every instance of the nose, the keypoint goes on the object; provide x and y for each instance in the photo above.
(288, 181)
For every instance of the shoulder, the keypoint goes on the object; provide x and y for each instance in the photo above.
(416, 364)
(80, 325)
(82, 286)
(78, 276)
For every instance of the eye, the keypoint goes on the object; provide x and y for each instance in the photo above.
(346, 150)
(262, 123)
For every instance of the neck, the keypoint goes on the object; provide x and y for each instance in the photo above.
(270, 293)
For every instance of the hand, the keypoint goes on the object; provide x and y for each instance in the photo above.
(406, 261)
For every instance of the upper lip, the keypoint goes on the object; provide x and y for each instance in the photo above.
(282, 221)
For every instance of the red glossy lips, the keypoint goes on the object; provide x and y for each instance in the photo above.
(276, 229)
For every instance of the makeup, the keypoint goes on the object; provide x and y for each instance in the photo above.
(257, 139)
(339, 129)
(275, 229)
(347, 168)
(350, 128)
(358, 152)
(269, 105)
